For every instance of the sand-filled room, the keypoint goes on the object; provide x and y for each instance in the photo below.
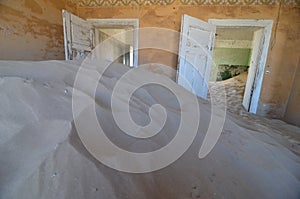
(149, 99)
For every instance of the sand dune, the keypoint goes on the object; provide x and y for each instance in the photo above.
(41, 155)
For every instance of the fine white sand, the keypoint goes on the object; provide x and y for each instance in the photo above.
(41, 155)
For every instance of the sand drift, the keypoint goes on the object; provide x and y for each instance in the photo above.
(43, 155)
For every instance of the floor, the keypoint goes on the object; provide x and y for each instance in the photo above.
(234, 88)
(42, 155)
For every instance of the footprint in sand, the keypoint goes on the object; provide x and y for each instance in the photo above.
(195, 192)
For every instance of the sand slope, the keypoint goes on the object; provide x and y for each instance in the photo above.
(41, 155)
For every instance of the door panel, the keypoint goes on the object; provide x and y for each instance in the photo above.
(258, 42)
(78, 36)
(195, 55)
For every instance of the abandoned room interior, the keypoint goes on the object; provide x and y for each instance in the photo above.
(149, 99)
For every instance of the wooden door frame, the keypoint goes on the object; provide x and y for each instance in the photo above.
(267, 26)
(111, 23)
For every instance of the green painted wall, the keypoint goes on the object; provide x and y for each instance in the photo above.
(229, 56)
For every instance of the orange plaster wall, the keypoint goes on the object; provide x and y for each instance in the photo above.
(283, 53)
(292, 114)
(32, 29)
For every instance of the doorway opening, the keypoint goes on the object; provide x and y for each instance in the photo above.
(120, 43)
(240, 49)
(123, 34)
(233, 49)
(196, 51)
(81, 36)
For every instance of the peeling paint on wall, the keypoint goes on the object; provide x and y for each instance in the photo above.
(282, 59)
(31, 29)
(6, 31)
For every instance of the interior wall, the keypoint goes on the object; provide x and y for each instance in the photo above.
(112, 49)
(232, 56)
(32, 29)
(292, 114)
(283, 52)
(229, 56)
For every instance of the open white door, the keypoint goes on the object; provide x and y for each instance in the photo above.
(256, 58)
(195, 55)
(78, 36)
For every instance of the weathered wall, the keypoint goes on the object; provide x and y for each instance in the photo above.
(282, 63)
(232, 56)
(32, 29)
(228, 56)
(292, 114)
(283, 53)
